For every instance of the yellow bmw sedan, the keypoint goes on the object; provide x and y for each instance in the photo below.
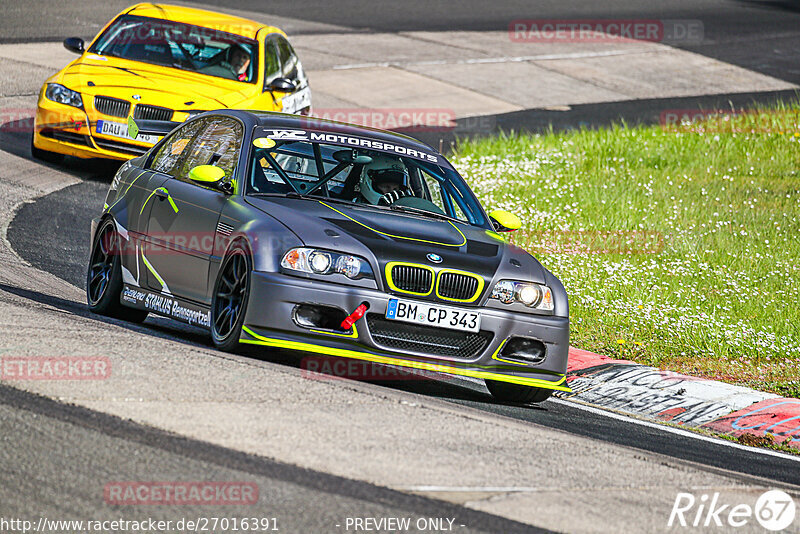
(160, 62)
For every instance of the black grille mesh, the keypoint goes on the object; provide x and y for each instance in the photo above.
(112, 106)
(152, 113)
(425, 339)
(457, 286)
(413, 279)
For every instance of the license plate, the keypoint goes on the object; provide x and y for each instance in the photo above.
(118, 129)
(294, 102)
(433, 315)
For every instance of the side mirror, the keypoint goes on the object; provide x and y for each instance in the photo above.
(283, 85)
(74, 44)
(210, 175)
(504, 221)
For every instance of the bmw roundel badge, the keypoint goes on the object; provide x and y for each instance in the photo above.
(435, 258)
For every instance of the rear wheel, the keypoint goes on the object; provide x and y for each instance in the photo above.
(45, 155)
(516, 393)
(104, 276)
(231, 292)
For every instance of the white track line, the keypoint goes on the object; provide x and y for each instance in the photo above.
(513, 59)
(678, 431)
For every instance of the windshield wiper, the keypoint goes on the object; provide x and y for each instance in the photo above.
(417, 211)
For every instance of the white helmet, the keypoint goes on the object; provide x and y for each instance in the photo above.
(380, 170)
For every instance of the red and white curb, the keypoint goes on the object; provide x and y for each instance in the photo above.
(630, 388)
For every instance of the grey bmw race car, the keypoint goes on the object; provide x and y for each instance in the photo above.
(306, 234)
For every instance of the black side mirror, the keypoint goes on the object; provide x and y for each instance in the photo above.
(284, 85)
(226, 187)
(74, 44)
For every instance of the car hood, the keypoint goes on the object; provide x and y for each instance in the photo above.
(164, 86)
(385, 236)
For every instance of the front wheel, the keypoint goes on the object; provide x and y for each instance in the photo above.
(231, 292)
(104, 276)
(516, 393)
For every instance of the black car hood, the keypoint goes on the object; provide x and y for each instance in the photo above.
(387, 236)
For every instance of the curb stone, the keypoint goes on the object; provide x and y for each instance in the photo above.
(659, 395)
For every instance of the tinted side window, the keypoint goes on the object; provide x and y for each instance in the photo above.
(169, 156)
(272, 62)
(217, 143)
(288, 59)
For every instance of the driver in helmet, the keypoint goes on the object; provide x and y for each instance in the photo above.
(384, 180)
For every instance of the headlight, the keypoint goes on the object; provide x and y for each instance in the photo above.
(313, 261)
(531, 295)
(62, 95)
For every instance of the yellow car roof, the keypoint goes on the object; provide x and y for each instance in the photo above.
(201, 17)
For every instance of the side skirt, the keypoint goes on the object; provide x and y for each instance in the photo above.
(166, 305)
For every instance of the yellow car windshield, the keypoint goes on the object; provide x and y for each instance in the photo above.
(181, 46)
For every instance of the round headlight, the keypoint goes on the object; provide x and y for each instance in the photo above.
(349, 266)
(504, 292)
(320, 262)
(529, 295)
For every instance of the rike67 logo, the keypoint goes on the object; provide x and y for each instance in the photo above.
(774, 510)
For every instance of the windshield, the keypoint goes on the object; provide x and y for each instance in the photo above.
(362, 177)
(181, 46)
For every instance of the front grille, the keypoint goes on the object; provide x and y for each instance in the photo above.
(112, 106)
(406, 337)
(66, 136)
(412, 279)
(458, 286)
(116, 146)
(153, 113)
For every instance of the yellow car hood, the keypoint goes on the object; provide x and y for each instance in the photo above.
(157, 85)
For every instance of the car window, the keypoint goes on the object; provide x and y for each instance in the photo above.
(288, 59)
(272, 62)
(180, 46)
(435, 190)
(361, 176)
(217, 142)
(169, 156)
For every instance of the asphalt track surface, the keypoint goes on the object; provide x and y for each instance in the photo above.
(40, 426)
(52, 234)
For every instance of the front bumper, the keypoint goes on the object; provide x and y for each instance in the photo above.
(68, 130)
(274, 297)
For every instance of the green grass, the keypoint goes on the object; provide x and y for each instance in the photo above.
(719, 296)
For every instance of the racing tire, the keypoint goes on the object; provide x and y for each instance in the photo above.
(104, 276)
(229, 301)
(45, 155)
(516, 393)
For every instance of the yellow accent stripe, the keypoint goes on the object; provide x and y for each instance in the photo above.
(153, 192)
(353, 335)
(481, 283)
(499, 359)
(390, 280)
(344, 353)
(464, 242)
(152, 270)
(172, 202)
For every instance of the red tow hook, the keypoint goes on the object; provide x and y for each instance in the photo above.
(357, 314)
